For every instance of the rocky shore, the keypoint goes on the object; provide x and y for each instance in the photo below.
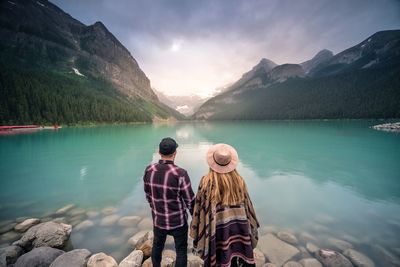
(390, 127)
(49, 241)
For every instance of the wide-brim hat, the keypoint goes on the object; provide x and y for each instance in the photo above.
(222, 158)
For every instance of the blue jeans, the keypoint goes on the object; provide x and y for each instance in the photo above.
(180, 238)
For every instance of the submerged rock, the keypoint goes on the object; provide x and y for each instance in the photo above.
(9, 237)
(339, 244)
(385, 256)
(7, 227)
(39, 257)
(306, 237)
(129, 221)
(312, 248)
(26, 224)
(48, 234)
(277, 251)
(132, 260)
(330, 258)
(358, 259)
(86, 224)
(10, 254)
(75, 258)
(310, 262)
(65, 209)
(108, 210)
(109, 220)
(292, 264)
(101, 260)
(146, 224)
(287, 237)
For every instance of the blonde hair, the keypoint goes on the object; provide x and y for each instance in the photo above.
(226, 188)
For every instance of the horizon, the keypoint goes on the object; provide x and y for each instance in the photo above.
(190, 48)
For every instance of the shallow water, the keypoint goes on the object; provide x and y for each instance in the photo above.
(328, 178)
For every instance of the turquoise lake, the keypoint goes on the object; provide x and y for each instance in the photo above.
(328, 179)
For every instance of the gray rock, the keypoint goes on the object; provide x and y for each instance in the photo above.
(86, 224)
(330, 258)
(132, 260)
(60, 220)
(310, 262)
(48, 234)
(385, 256)
(26, 224)
(312, 248)
(194, 261)
(109, 220)
(139, 238)
(9, 237)
(270, 265)
(65, 209)
(129, 221)
(10, 254)
(338, 244)
(277, 251)
(39, 257)
(101, 260)
(259, 257)
(7, 227)
(358, 259)
(287, 237)
(73, 258)
(292, 264)
(146, 224)
(305, 237)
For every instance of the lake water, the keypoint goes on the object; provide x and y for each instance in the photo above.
(328, 179)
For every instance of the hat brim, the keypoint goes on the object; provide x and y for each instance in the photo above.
(215, 166)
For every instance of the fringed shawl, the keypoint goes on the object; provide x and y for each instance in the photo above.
(221, 233)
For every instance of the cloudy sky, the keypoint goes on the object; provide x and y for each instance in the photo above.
(195, 46)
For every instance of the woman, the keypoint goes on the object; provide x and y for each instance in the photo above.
(224, 224)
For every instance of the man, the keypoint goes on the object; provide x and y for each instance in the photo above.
(169, 193)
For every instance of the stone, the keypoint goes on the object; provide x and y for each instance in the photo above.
(26, 224)
(194, 261)
(65, 209)
(86, 224)
(75, 258)
(270, 265)
(146, 224)
(108, 210)
(269, 229)
(338, 244)
(9, 237)
(76, 212)
(276, 250)
(92, 214)
(10, 254)
(132, 260)
(101, 260)
(38, 257)
(138, 238)
(21, 219)
(60, 220)
(292, 264)
(147, 263)
(330, 258)
(358, 259)
(287, 237)
(259, 257)
(7, 227)
(109, 220)
(48, 234)
(305, 237)
(146, 248)
(351, 239)
(310, 262)
(169, 240)
(113, 241)
(129, 221)
(168, 259)
(311, 248)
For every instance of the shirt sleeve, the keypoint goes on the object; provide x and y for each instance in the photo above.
(147, 189)
(187, 192)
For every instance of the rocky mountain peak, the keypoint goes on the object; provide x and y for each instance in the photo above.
(283, 72)
(321, 57)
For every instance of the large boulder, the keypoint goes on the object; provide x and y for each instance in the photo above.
(48, 234)
(39, 257)
(358, 259)
(146, 248)
(277, 251)
(330, 258)
(139, 238)
(73, 258)
(26, 224)
(9, 255)
(101, 260)
(132, 260)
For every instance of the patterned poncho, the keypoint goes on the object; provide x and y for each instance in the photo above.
(221, 233)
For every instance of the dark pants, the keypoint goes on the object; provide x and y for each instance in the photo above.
(180, 237)
(238, 262)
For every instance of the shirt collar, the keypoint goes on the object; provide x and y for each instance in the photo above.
(162, 161)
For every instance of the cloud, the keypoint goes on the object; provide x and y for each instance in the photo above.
(195, 46)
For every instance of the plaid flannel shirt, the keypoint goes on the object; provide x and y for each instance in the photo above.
(169, 193)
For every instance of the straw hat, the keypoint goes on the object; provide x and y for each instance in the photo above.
(222, 158)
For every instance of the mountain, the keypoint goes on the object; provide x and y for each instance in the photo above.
(186, 105)
(320, 58)
(360, 82)
(60, 70)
